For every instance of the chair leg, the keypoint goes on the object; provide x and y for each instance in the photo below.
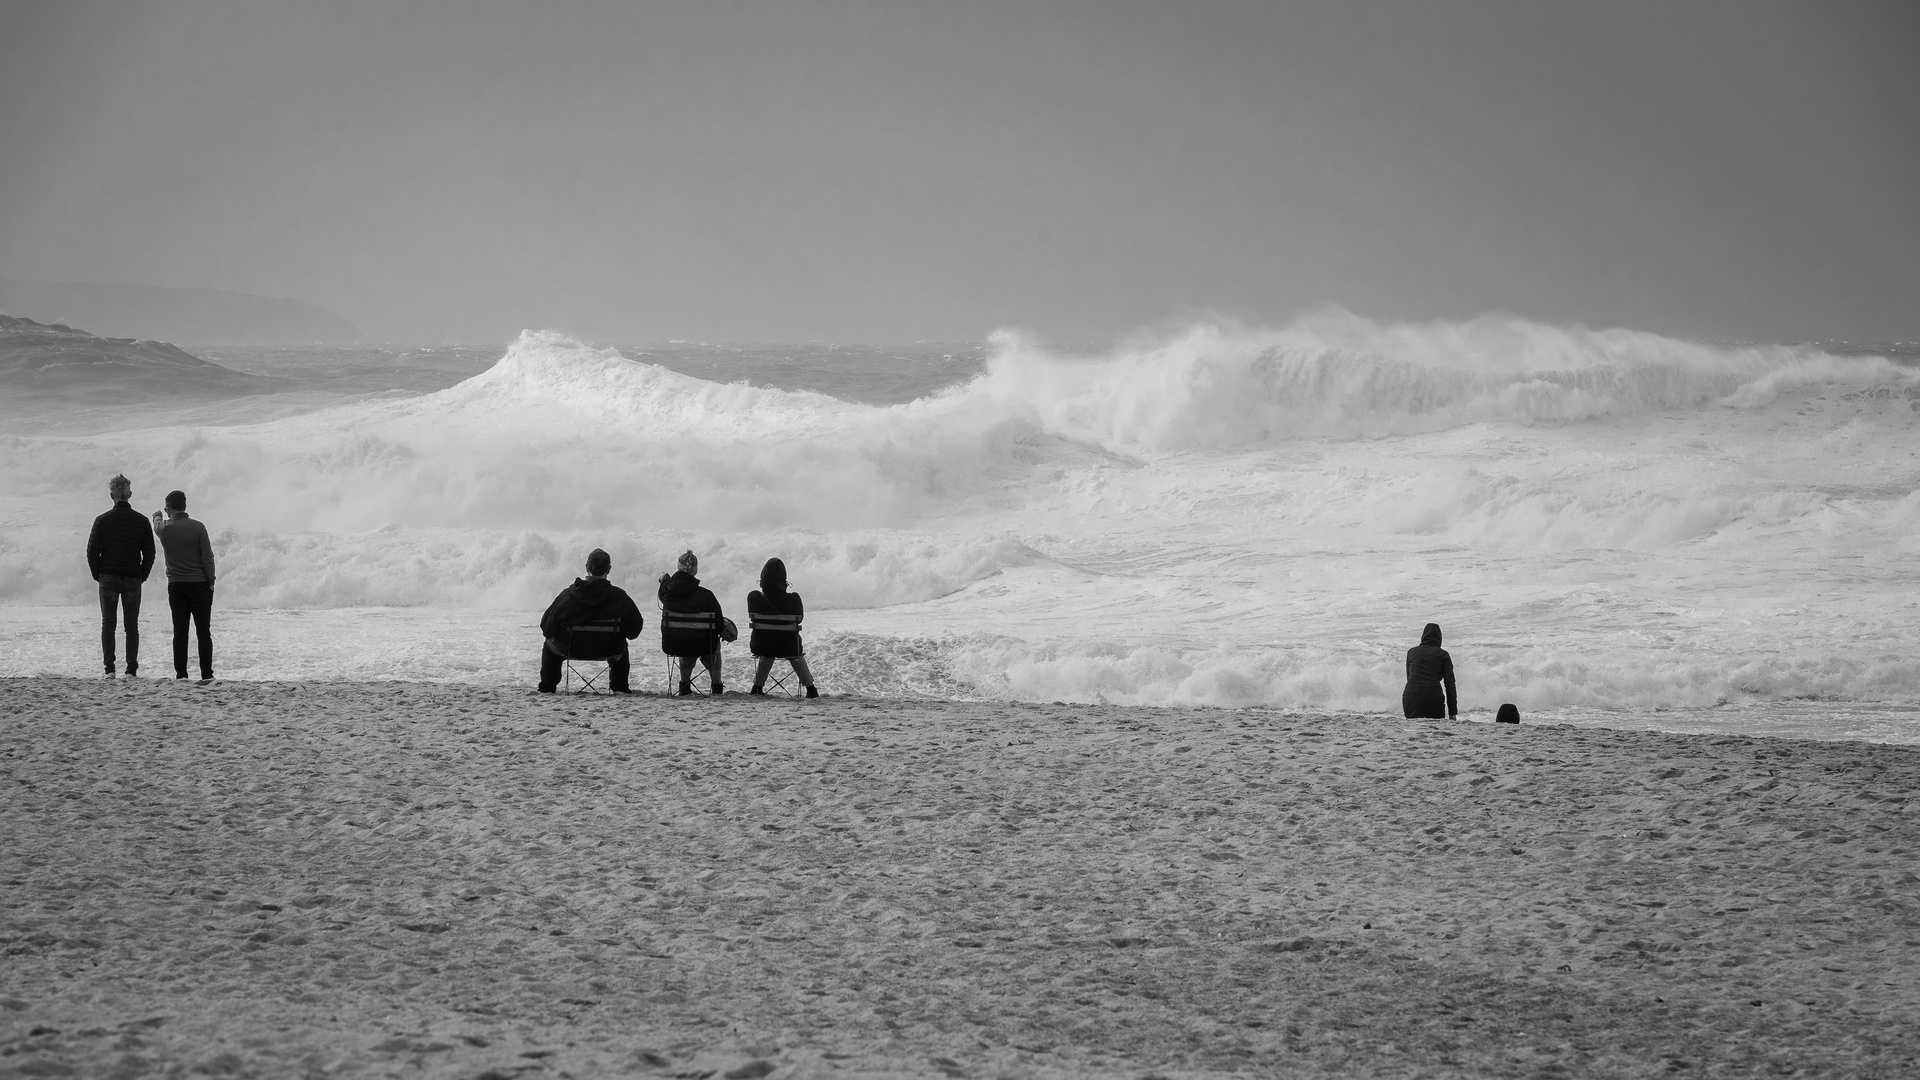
(781, 681)
(589, 684)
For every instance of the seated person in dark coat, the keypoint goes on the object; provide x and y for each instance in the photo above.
(1429, 671)
(770, 609)
(682, 594)
(590, 599)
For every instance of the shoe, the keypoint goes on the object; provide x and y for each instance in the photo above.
(686, 688)
(132, 674)
(182, 675)
(543, 689)
(110, 675)
(718, 689)
(621, 690)
(811, 692)
(758, 690)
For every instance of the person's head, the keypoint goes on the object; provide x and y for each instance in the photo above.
(177, 501)
(1508, 714)
(690, 562)
(120, 488)
(773, 577)
(598, 563)
(1431, 635)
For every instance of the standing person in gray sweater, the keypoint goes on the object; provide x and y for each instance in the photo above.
(189, 581)
(120, 556)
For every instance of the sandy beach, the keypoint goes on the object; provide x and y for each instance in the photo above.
(335, 879)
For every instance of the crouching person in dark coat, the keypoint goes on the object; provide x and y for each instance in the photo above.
(590, 599)
(1430, 693)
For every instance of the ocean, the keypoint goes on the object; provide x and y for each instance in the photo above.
(1611, 527)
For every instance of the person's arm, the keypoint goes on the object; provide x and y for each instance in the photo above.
(93, 550)
(206, 553)
(799, 611)
(550, 619)
(1453, 694)
(631, 621)
(146, 553)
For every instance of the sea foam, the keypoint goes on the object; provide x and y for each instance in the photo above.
(1213, 516)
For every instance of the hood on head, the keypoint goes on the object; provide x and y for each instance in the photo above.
(1431, 635)
(682, 584)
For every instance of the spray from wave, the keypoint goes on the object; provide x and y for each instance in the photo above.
(1173, 521)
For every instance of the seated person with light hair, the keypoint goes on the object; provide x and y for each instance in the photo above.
(692, 624)
(591, 599)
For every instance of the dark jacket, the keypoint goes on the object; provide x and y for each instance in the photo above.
(121, 543)
(591, 600)
(1429, 667)
(683, 594)
(775, 642)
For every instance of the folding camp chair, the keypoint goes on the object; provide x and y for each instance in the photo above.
(686, 633)
(592, 643)
(785, 682)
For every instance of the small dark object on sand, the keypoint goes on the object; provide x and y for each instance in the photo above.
(1508, 714)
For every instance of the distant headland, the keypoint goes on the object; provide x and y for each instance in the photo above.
(58, 362)
(193, 316)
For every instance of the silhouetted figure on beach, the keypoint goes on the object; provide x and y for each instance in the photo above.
(591, 599)
(189, 554)
(120, 556)
(775, 612)
(1508, 714)
(1429, 671)
(682, 595)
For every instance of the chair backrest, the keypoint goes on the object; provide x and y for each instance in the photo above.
(774, 634)
(688, 633)
(595, 640)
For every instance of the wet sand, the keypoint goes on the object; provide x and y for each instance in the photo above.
(330, 879)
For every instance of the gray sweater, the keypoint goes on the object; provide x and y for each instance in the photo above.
(189, 551)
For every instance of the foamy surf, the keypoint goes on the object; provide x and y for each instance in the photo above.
(1602, 520)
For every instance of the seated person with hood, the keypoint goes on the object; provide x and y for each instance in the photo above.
(590, 599)
(1429, 672)
(682, 594)
(771, 609)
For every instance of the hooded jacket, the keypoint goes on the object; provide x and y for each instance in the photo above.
(683, 594)
(121, 543)
(1428, 663)
(775, 642)
(591, 599)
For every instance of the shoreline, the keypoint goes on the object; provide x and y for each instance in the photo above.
(350, 878)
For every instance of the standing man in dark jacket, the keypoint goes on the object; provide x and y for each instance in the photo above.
(189, 581)
(589, 599)
(681, 593)
(1429, 671)
(120, 556)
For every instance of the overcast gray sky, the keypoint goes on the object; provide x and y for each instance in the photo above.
(892, 171)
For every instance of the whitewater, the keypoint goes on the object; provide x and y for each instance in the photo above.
(1612, 526)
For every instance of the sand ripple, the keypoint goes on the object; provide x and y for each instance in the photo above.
(369, 880)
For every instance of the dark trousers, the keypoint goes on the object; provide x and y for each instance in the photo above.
(119, 593)
(618, 669)
(191, 600)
